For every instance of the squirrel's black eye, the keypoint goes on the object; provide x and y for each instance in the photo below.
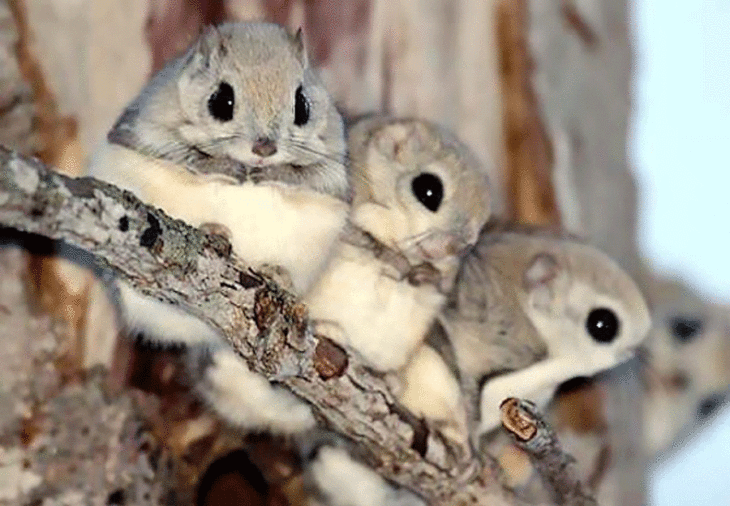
(602, 324)
(429, 190)
(220, 103)
(709, 405)
(685, 329)
(301, 107)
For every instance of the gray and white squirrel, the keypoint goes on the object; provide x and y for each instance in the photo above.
(529, 310)
(687, 359)
(419, 200)
(240, 134)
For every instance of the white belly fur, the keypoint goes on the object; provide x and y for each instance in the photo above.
(270, 223)
(382, 318)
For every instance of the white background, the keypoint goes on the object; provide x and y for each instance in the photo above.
(680, 149)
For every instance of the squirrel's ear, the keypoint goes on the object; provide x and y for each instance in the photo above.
(210, 44)
(389, 140)
(298, 42)
(542, 269)
(194, 80)
(540, 277)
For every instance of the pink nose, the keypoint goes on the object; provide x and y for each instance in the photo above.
(263, 146)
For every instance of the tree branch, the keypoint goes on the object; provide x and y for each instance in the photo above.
(113, 232)
(534, 436)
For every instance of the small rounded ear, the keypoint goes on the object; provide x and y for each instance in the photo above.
(540, 271)
(386, 143)
(539, 278)
(195, 77)
(298, 42)
(397, 141)
(419, 136)
(210, 45)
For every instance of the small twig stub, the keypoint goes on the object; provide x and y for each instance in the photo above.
(516, 420)
(536, 438)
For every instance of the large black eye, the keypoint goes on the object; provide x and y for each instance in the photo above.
(685, 328)
(709, 405)
(220, 103)
(429, 190)
(301, 107)
(602, 324)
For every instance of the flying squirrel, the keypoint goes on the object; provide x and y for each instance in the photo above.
(240, 134)
(528, 311)
(686, 365)
(419, 200)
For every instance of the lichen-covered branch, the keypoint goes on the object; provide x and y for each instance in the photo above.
(533, 435)
(116, 234)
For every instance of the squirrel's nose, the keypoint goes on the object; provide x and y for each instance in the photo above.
(264, 146)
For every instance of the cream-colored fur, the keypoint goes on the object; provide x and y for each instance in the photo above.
(387, 154)
(553, 285)
(270, 223)
(240, 396)
(685, 370)
(381, 317)
(247, 399)
(162, 323)
(100, 333)
(537, 383)
(346, 482)
(567, 337)
(431, 391)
